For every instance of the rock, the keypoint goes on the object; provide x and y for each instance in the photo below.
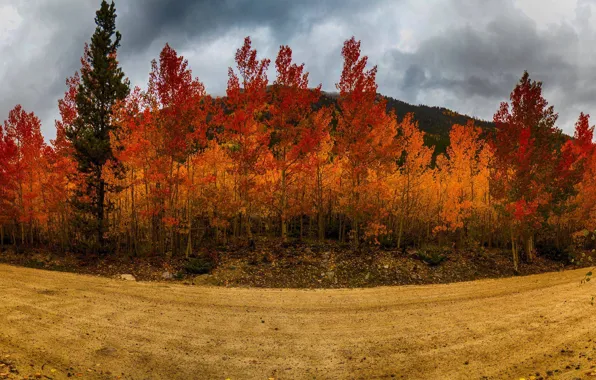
(201, 279)
(128, 277)
(386, 266)
(167, 275)
(107, 351)
(331, 275)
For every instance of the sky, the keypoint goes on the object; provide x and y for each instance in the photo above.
(466, 55)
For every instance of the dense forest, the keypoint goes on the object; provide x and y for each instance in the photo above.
(169, 168)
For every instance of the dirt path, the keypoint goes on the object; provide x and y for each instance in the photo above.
(100, 328)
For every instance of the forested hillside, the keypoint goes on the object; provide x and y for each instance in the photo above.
(435, 122)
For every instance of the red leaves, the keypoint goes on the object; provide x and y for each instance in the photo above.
(355, 80)
(522, 209)
(246, 101)
(23, 164)
(280, 153)
(179, 103)
(526, 150)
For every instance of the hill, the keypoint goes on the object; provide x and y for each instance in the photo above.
(435, 121)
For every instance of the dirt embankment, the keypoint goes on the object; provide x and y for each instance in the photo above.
(54, 324)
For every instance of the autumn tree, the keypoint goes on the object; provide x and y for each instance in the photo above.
(365, 134)
(293, 133)
(467, 176)
(102, 86)
(8, 160)
(527, 152)
(62, 178)
(246, 135)
(414, 159)
(573, 178)
(178, 134)
(23, 128)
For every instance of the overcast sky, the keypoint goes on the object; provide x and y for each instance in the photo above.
(466, 55)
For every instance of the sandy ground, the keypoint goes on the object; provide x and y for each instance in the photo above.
(54, 324)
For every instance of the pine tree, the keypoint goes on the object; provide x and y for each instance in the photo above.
(102, 85)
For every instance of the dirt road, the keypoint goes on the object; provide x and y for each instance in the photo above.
(55, 324)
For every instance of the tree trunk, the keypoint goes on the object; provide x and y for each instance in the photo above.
(515, 252)
(100, 212)
(189, 217)
(530, 251)
(400, 231)
(284, 222)
(321, 225)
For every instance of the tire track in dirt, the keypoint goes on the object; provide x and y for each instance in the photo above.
(102, 328)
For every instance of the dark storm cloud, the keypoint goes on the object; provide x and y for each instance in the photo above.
(48, 45)
(187, 22)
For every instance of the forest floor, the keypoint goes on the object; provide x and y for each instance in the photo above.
(56, 325)
(301, 265)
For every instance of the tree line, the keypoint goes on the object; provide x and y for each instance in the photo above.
(169, 168)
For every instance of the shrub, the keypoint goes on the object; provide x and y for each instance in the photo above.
(199, 265)
(432, 256)
(549, 249)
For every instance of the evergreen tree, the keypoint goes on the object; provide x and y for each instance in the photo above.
(102, 85)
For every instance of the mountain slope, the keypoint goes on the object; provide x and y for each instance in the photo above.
(435, 121)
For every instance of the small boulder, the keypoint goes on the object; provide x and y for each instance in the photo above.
(167, 275)
(128, 277)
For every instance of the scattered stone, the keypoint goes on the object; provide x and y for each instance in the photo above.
(107, 351)
(128, 277)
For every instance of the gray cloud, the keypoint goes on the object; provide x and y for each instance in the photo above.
(473, 67)
(186, 21)
(465, 55)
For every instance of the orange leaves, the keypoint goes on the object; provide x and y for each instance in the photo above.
(27, 167)
(356, 82)
(283, 155)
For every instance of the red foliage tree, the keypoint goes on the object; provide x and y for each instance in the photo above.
(291, 126)
(366, 134)
(245, 133)
(527, 152)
